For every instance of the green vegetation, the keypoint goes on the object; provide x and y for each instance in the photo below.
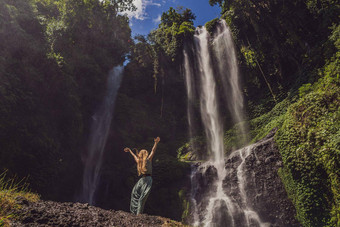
(10, 191)
(55, 56)
(176, 26)
(280, 45)
(262, 125)
(185, 203)
(211, 25)
(195, 149)
(41, 118)
(309, 142)
(259, 127)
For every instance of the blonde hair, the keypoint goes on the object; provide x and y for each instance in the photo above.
(142, 155)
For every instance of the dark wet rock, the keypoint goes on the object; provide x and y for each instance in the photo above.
(211, 173)
(265, 193)
(205, 178)
(49, 213)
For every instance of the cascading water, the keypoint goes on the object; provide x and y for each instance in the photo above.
(214, 207)
(225, 52)
(208, 99)
(190, 94)
(101, 122)
(251, 217)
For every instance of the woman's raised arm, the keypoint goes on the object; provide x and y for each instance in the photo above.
(154, 148)
(129, 150)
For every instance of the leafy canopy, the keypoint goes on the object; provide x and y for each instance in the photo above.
(176, 26)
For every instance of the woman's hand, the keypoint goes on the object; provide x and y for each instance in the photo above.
(126, 149)
(157, 140)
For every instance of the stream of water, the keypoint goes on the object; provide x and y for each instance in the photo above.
(101, 122)
(217, 208)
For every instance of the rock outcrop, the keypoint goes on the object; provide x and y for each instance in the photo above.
(251, 183)
(49, 213)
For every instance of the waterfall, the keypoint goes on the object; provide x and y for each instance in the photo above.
(189, 82)
(208, 99)
(100, 127)
(224, 49)
(215, 207)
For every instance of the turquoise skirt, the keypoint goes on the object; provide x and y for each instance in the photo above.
(139, 195)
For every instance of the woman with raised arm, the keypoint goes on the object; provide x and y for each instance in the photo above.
(141, 190)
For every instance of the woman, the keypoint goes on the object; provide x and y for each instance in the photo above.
(142, 188)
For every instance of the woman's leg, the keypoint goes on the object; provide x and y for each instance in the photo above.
(145, 191)
(135, 195)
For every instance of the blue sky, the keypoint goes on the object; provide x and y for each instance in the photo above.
(148, 13)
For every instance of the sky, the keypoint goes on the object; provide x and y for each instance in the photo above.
(148, 13)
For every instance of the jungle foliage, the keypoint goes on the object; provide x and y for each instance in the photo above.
(176, 26)
(54, 60)
(281, 43)
(309, 142)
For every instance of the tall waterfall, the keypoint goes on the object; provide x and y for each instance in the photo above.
(208, 99)
(214, 207)
(101, 122)
(225, 52)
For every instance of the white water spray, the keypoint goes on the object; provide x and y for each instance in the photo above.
(101, 122)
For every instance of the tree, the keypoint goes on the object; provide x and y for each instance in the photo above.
(175, 27)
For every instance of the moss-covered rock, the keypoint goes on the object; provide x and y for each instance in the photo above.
(211, 25)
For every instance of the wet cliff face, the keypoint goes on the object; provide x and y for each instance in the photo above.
(253, 187)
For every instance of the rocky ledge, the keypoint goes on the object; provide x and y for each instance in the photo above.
(49, 213)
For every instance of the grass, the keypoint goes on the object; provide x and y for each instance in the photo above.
(10, 191)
